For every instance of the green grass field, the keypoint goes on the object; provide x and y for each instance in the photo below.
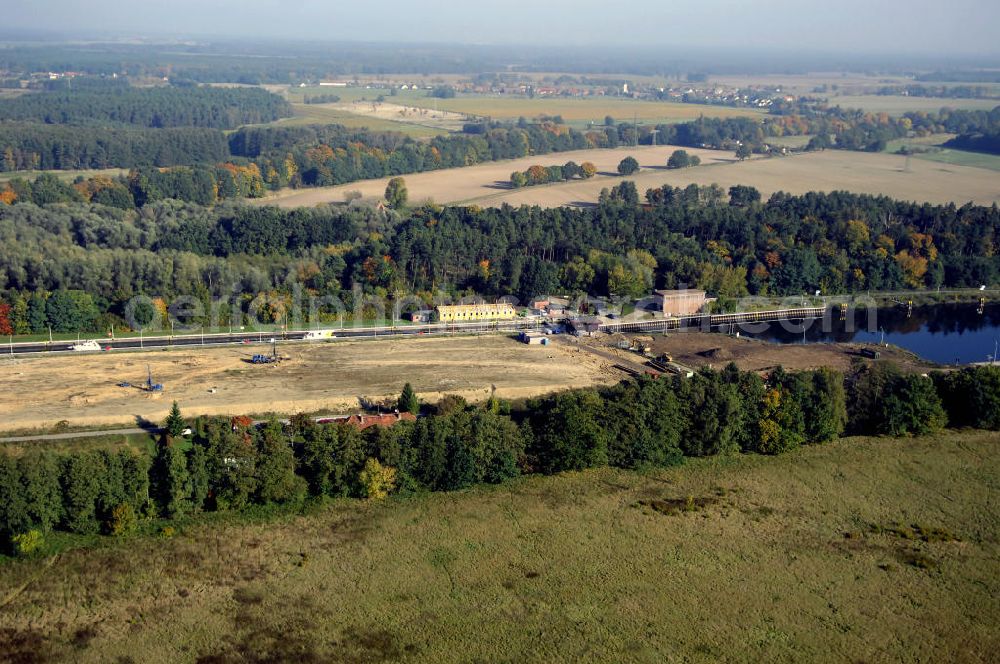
(862, 550)
(897, 105)
(962, 158)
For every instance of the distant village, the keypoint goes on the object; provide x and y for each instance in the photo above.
(568, 86)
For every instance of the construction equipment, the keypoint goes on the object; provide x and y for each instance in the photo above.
(267, 359)
(150, 385)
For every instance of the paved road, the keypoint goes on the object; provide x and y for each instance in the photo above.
(240, 338)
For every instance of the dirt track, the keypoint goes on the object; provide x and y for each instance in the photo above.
(486, 184)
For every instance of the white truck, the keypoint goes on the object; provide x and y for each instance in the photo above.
(316, 335)
(86, 346)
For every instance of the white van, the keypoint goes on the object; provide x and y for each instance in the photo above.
(86, 346)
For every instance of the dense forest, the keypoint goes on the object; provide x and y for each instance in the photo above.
(32, 146)
(219, 108)
(231, 465)
(96, 257)
(109, 124)
(979, 142)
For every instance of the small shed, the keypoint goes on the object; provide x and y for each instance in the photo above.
(422, 316)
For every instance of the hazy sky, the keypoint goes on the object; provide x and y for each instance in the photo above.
(861, 26)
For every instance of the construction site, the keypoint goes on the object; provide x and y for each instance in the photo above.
(126, 388)
(130, 388)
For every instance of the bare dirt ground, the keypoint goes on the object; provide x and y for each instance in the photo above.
(831, 170)
(330, 377)
(337, 377)
(698, 349)
(489, 183)
(428, 117)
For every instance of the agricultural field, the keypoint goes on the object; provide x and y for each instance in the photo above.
(331, 377)
(962, 158)
(575, 111)
(416, 117)
(897, 105)
(580, 111)
(831, 170)
(306, 114)
(488, 184)
(859, 550)
(483, 182)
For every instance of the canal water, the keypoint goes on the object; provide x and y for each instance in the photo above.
(945, 333)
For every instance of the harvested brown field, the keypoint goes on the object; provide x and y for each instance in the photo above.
(332, 377)
(832, 170)
(485, 182)
(807, 557)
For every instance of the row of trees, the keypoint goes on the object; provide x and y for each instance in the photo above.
(232, 464)
(204, 185)
(831, 127)
(545, 174)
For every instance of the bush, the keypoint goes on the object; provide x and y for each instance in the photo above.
(377, 481)
(122, 520)
(27, 543)
(971, 397)
(911, 407)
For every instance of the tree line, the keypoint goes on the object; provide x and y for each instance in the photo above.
(28, 146)
(535, 175)
(153, 107)
(203, 185)
(730, 243)
(231, 464)
(831, 127)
